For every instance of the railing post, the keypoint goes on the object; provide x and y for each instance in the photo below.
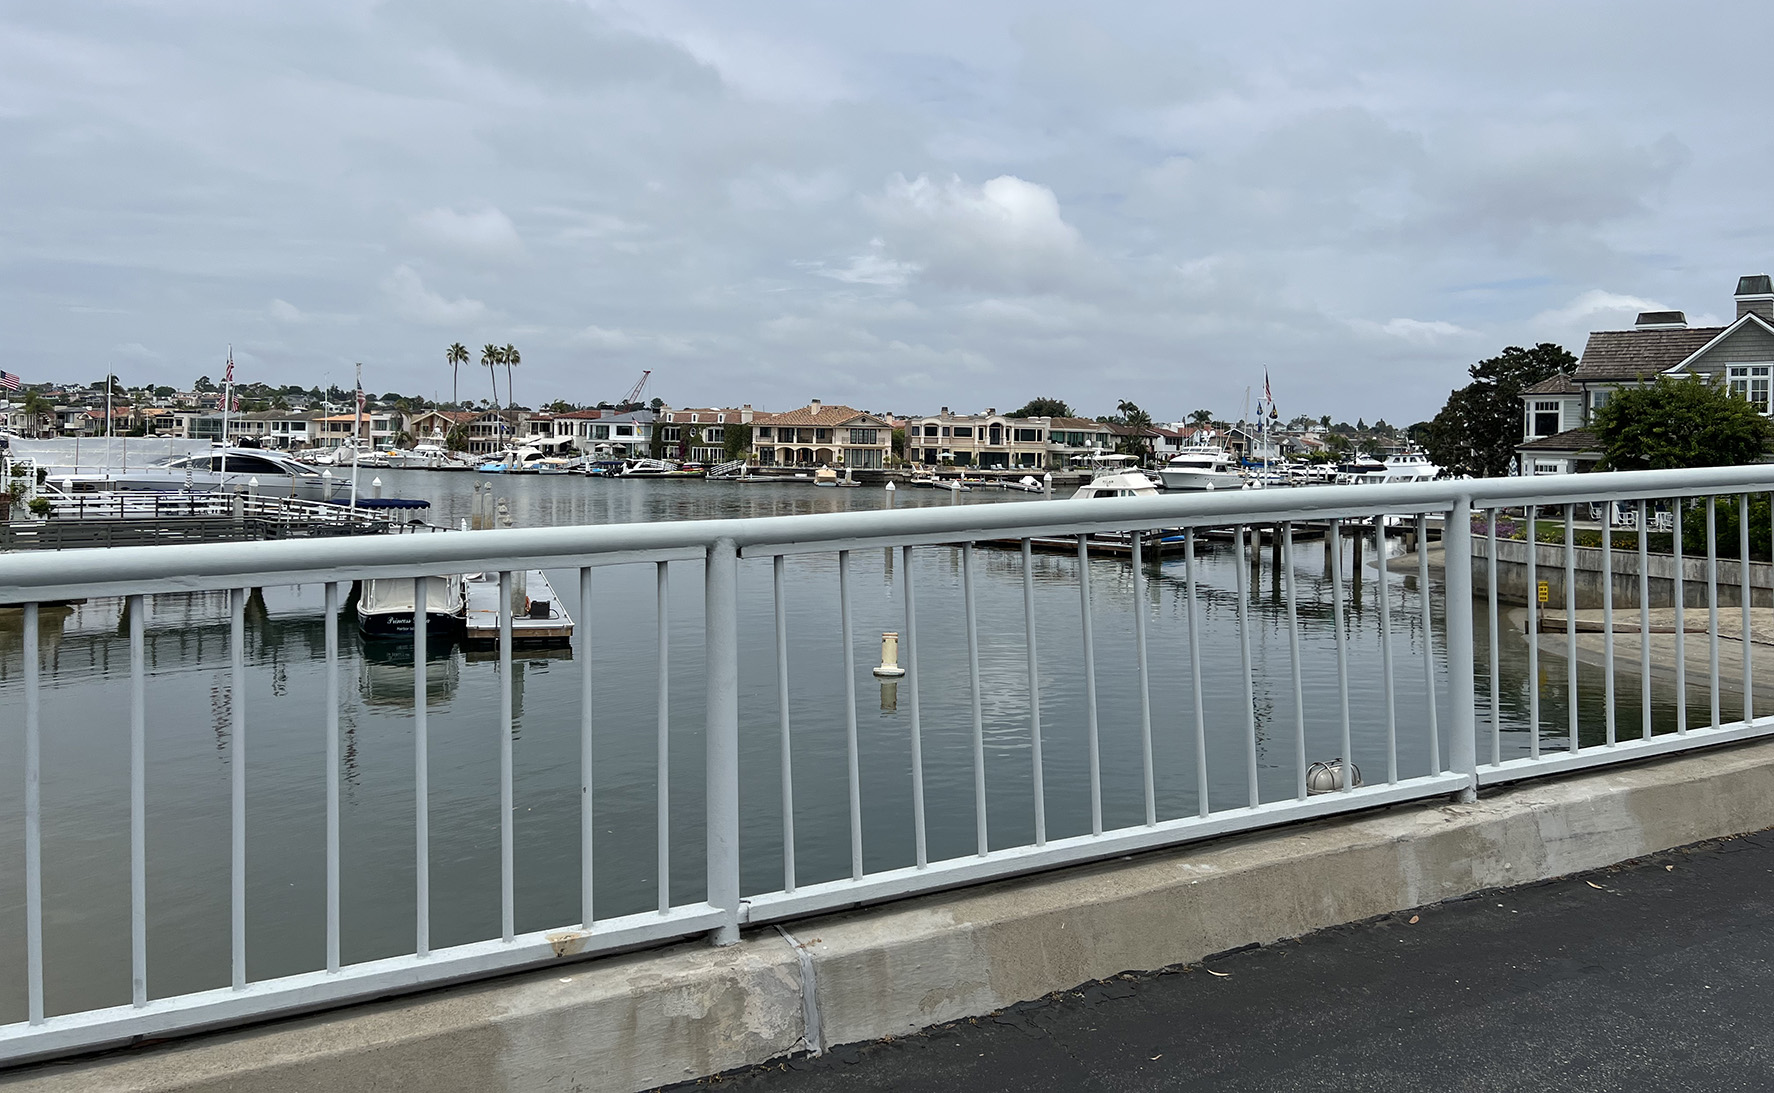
(1456, 542)
(721, 652)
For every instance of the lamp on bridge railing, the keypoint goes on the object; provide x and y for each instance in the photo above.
(1328, 777)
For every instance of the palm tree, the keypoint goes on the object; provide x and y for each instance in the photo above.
(490, 356)
(455, 356)
(36, 408)
(1200, 417)
(509, 353)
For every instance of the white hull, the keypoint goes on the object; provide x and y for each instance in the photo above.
(1178, 478)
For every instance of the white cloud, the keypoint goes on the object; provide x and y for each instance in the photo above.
(486, 232)
(1418, 331)
(873, 267)
(1005, 232)
(285, 312)
(1597, 306)
(416, 303)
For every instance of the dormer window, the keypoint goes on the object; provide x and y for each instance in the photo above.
(1751, 382)
(1546, 418)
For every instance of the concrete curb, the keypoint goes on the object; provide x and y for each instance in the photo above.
(641, 1020)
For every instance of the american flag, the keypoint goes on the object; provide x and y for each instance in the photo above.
(10, 382)
(228, 376)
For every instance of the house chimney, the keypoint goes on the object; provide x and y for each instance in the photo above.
(1755, 294)
(991, 411)
(745, 414)
(945, 411)
(814, 407)
(1661, 320)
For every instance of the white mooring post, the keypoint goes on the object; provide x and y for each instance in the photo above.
(889, 667)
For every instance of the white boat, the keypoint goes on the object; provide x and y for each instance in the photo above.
(1117, 476)
(268, 473)
(1410, 465)
(849, 480)
(1364, 470)
(385, 607)
(656, 468)
(1204, 467)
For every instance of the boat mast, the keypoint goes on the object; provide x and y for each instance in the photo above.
(356, 430)
(227, 401)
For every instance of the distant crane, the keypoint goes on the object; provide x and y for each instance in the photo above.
(634, 393)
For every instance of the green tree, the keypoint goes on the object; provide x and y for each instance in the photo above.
(455, 356)
(1200, 418)
(1679, 422)
(508, 355)
(456, 440)
(36, 408)
(656, 440)
(490, 355)
(204, 383)
(736, 441)
(1042, 407)
(899, 441)
(1478, 428)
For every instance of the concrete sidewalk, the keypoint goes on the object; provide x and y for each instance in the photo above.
(1655, 975)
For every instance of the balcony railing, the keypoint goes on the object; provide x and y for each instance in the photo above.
(1234, 754)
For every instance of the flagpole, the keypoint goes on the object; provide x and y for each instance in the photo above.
(356, 429)
(227, 398)
(108, 427)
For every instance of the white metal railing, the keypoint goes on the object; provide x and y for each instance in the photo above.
(236, 505)
(719, 549)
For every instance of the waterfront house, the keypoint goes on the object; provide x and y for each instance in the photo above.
(1072, 438)
(820, 435)
(427, 425)
(699, 433)
(607, 434)
(990, 440)
(1557, 413)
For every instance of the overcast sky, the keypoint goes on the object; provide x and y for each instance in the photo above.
(898, 206)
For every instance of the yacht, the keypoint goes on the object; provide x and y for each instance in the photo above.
(658, 468)
(385, 607)
(1200, 468)
(1117, 476)
(1410, 465)
(1363, 470)
(219, 469)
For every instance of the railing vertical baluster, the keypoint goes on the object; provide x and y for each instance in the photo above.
(1456, 542)
(1333, 542)
(1139, 640)
(1491, 606)
(138, 801)
(1533, 545)
(662, 737)
(1712, 608)
(1571, 626)
(1096, 778)
(421, 773)
(237, 764)
(785, 748)
(911, 678)
(507, 805)
(1744, 597)
(331, 721)
(1194, 634)
(1428, 601)
(721, 716)
(1381, 593)
(1644, 618)
(1681, 622)
(1293, 646)
(33, 822)
(1608, 616)
(1252, 791)
(1036, 775)
(587, 819)
(852, 751)
(979, 730)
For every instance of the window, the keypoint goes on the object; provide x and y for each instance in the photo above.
(1028, 436)
(929, 430)
(600, 432)
(821, 436)
(1751, 382)
(695, 419)
(1598, 399)
(673, 433)
(1546, 418)
(964, 431)
(862, 436)
(1549, 468)
(764, 433)
(625, 430)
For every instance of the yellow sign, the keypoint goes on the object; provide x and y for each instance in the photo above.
(1545, 592)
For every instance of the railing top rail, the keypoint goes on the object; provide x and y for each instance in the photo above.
(193, 567)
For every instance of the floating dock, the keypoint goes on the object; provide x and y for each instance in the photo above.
(537, 616)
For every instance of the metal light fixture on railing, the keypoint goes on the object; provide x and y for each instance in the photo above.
(1328, 777)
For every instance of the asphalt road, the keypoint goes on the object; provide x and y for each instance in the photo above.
(1655, 975)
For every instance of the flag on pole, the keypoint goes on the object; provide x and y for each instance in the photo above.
(10, 382)
(228, 376)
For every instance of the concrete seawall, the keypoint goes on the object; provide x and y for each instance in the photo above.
(1549, 562)
(642, 1020)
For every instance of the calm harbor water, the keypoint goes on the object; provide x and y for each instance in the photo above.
(190, 703)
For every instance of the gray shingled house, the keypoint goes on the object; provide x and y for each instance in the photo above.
(1556, 438)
